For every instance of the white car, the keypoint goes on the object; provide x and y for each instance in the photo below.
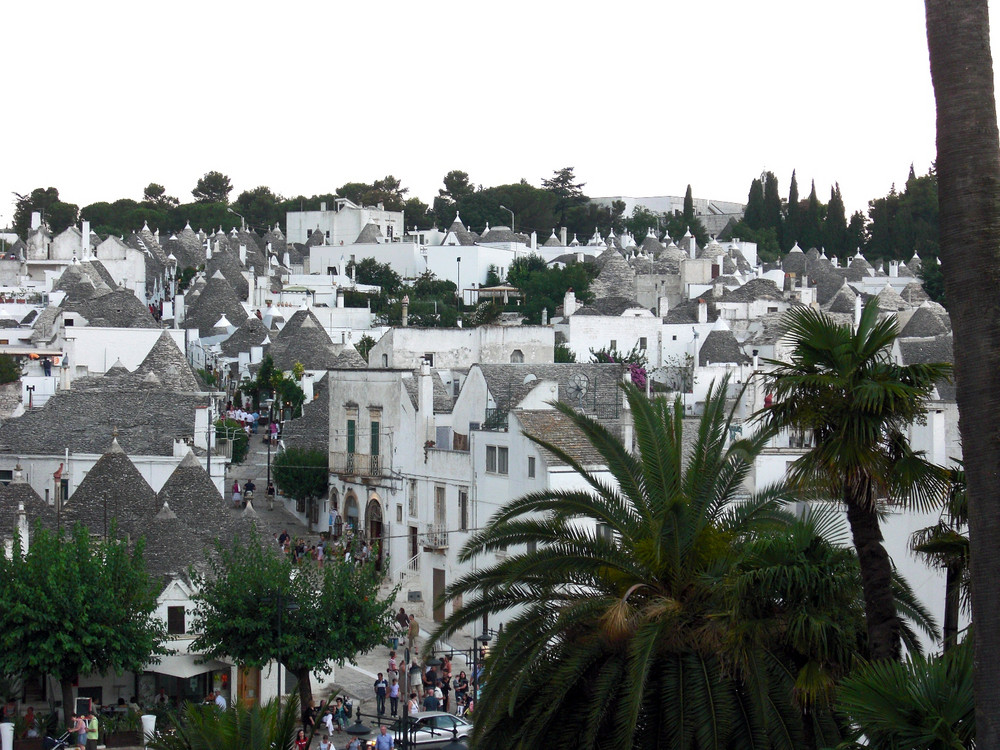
(430, 730)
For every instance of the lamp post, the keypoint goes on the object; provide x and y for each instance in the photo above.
(230, 210)
(357, 729)
(282, 607)
(458, 286)
(511, 217)
(479, 641)
(31, 392)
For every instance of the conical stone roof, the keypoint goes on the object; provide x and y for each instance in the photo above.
(168, 365)
(218, 298)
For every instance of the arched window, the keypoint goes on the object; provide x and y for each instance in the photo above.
(385, 360)
(517, 357)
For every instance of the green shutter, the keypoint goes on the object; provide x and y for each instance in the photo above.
(374, 446)
(351, 431)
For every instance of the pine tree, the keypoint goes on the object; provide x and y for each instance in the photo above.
(835, 227)
(754, 214)
(793, 217)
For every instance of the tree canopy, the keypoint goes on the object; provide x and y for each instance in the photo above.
(212, 187)
(75, 605)
(337, 613)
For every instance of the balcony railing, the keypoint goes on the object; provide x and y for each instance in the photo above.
(356, 464)
(496, 419)
(436, 537)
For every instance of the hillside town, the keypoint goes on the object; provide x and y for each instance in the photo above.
(134, 382)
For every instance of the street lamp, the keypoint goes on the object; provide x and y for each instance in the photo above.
(458, 288)
(478, 641)
(511, 216)
(230, 210)
(357, 729)
(282, 608)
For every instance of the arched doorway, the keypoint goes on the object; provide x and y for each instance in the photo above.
(373, 526)
(352, 513)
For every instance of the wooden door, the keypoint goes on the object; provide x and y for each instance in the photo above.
(248, 686)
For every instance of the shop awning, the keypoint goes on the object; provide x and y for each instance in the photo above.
(185, 665)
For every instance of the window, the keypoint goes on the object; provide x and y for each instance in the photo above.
(531, 467)
(385, 360)
(399, 512)
(501, 460)
(642, 342)
(68, 321)
(491, 458)
(429, 356)
(772, 309)
(440, 516)
(674, 337)
(517, 356)
(6, 476)
(175, 621)
(413, 497)
(463, 508)
(352, 434)
(614, 343)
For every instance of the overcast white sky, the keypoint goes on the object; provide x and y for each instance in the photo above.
(641, 98)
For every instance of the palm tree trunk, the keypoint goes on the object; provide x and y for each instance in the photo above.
(968, 169)
(876, 579)
(952, 586)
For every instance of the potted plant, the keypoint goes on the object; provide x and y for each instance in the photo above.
(124, 730)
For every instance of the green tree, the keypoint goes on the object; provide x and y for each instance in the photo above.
(230, 429)
(753, 216)
(544, 287)
(340, 611)
(244, 726)
(261, 207)
(624, 633)
(688, 206)
(857, 233)
(569, 193)
(10, 368)
(919, 703)
(417, 214)
(370, 271)
(364, 345)
(563, 353)
(456, 186)
(76, 606)
(301, 474)
(156, 195)
(812, 222)
(841, 384)
(793, 215)
(932, 279)
(946, 545)
(39, 199)
(772, 203)
(835, 226)
(213, 187)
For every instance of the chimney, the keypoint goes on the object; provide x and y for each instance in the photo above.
(857, 310)
(22, 527)
(545, 316)
(692, 247)
(805, 281)
(893, 269)
(322, 205)
(562, 235)
(179, 308)
(18, 477)
(243, 254)
(662, 307)
(307, 386)
(85, 240)
(534, 240)
(340, 297)
(569, 302)
(208, 249)
(579, 257)
(406, 310)
(702, 311)
(425, 399)
(756, 359)
(36, 220)
(286, 260)
(256, 354)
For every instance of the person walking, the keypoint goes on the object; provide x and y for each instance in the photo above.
(413, 705)
(381, 689)
(413, 634)
(403, 623)
(394, 697)
(237, 495)
(92, 731)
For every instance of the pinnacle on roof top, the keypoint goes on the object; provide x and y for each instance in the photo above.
(165, 514)
(796, 248)
(720, 325)
(187, 224)
(145, 226)
(114, 447)
(234, 233)
(687, 232)
(223, 322)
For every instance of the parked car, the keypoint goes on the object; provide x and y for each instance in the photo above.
(430, 730)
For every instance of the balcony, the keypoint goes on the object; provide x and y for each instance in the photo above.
(435, 538)
(356, 464)
(495, 419)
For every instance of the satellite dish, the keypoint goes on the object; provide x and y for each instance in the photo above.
(578, 385)
(529, 378)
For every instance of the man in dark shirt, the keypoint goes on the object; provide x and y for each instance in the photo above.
(431, 703)
(381, 686)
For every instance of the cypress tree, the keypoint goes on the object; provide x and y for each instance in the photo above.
(793, 217)
(772, 202)
(754, 214)
(835, 227)
(812, 221)
(688, 207)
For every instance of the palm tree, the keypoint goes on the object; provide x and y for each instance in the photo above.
(625, 632)
(968, 160)
(241, 727)
(946, 544)
(921, 703)
(841, 384)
